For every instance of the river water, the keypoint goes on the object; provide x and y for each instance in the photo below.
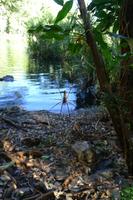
(35, 87)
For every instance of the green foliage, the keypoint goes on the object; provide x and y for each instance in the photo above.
(48, 31)
(64, 41)
(127, 194)
(105, 21)
(74, 48)
(109, 48)
(64, 11)
(60, 2)
(106, 13)
(11, 5)
(71, 38)
(45, 39)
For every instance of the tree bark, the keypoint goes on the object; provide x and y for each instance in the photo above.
(126, 75)
(98, 59)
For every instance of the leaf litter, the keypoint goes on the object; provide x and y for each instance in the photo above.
(47, 156)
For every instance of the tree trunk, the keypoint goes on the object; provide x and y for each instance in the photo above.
(99, 62)
(126, 78)
(121, 112)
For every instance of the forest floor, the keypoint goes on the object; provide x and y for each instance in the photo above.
(47, 156)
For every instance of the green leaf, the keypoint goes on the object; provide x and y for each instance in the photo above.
(74, 48)
(64, 11)
(127, 193)
(60, 2)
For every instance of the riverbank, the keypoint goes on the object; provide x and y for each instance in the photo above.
(52, 156)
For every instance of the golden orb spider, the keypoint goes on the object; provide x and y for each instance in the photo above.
(64, 101)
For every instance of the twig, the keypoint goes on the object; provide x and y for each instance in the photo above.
(96, 124)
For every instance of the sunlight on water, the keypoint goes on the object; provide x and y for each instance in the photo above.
(41, 90)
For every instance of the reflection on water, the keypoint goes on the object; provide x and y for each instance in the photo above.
(35, 87)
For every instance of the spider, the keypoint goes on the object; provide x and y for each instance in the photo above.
(64, 101)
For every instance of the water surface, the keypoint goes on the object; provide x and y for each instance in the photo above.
(35, 87)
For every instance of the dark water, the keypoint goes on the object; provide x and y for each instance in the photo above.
(35, 87)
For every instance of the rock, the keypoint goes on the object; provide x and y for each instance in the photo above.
(84, 152)
(7, 78)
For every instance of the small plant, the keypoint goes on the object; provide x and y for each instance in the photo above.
(127, 193)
